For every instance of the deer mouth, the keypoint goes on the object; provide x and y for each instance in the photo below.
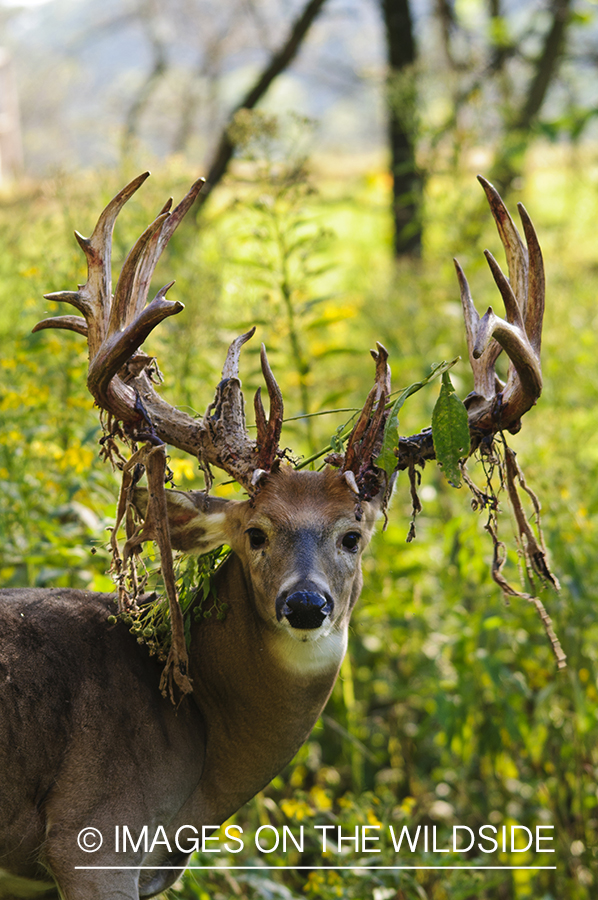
(304, 610)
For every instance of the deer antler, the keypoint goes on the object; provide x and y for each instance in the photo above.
(366, 438)
(520, 334)
(120, 380)
(493, 406)
(120, 374)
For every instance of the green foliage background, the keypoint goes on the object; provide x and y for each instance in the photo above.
(449, 709)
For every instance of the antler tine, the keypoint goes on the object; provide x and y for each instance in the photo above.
(130, 322)
(510, 300)
(515, 250)
(115, 353)
(261, 423)
(366, 438)
(177, 215)
(534, 313)
(133, 284)
(231, 363)
(223, 439)
(380, 357)
(511, 335)
(93, 298)
(96, 293)
(115, 328)
(484, 377)
(268, 433)
(126, 301)
(156, 244)
(68, 323)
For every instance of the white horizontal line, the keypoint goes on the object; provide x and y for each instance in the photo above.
(312, 868)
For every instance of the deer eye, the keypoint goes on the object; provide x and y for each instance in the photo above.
(351, 540)
(257, 538)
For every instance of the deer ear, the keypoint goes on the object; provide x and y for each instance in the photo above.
(197, 521)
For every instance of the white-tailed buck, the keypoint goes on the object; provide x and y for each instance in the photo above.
(87, 738)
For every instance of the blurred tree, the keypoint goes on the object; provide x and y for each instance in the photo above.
(505, 68)
(169, 76)
(149, 20)
(277, 63)
(149, 14)
(498, 65)
(524, 113)
(401, 88)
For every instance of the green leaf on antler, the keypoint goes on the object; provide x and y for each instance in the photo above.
(450, 431)
(387, 458)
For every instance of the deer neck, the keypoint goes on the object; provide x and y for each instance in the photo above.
(259, 695)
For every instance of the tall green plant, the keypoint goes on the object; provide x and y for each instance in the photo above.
(285, 246)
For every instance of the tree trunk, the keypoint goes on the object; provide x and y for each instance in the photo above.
(402, 126)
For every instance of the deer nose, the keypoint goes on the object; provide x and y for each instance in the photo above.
(304, 609)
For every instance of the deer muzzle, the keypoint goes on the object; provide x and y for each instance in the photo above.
(304, 609)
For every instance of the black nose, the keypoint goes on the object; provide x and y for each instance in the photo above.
(305, 609)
